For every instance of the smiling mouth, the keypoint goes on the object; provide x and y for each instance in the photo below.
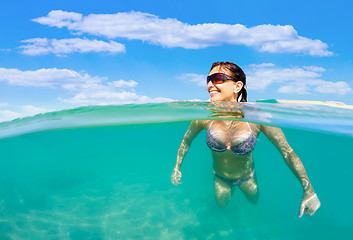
(212, 93)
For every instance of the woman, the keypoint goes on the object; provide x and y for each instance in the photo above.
(232, 143)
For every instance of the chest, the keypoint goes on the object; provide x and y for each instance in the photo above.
(231, 132)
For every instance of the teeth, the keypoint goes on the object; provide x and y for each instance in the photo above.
(213, 93)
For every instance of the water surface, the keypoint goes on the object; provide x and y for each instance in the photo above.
(104, 173)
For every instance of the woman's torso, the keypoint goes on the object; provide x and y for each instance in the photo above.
(232, 143)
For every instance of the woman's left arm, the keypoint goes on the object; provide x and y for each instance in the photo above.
(310, 202)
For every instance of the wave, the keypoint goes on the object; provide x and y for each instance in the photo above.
(303, 115)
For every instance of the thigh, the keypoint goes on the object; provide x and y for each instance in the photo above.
(223, 192)
(249, 188)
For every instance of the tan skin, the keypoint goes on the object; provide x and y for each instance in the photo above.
(231, 166)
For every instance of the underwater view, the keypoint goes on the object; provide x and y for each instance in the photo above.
(103, 172)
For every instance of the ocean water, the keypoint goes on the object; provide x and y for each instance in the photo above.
(104, 173)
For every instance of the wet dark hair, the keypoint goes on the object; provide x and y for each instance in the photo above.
(237, 74)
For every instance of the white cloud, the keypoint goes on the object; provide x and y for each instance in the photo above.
(332, 87)
(100, 93)
(314, 68)
(51, 77)
(262, 75)
(197, 79)
(8, 115)
(13, 112)
(320, 86)
(296, 80)
(60, 18)
(111, 97)
(262, 65)
(43, 46)
(86, 89)
(172, 33)
(3, 104)
(5, 50)
(297, 44)
(32, 110)
(123, 83)
(295, 88)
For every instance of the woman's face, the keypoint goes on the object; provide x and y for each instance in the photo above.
(227, 91)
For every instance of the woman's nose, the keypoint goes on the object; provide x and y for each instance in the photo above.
(210, 84)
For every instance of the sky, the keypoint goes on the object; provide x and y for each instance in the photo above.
(58, 55)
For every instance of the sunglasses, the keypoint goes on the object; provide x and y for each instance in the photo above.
(218, 78)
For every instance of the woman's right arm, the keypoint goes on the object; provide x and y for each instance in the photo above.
(194, 129)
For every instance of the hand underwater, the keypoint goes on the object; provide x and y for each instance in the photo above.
(176, 176)
(309, 205)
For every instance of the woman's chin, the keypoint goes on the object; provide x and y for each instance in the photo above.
(215, 98)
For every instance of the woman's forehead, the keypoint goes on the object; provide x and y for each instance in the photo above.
(219, 69)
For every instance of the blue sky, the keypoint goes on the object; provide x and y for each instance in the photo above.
(64, 54)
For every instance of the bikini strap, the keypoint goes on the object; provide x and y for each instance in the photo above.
(250, 129)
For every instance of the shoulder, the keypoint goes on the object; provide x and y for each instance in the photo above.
(268, 129)
(200, 124)
(255, 128)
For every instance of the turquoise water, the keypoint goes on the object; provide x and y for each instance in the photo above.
(104, 173)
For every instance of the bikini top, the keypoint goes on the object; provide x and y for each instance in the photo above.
(242, 148)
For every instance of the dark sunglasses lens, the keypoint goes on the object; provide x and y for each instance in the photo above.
(216, 79)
